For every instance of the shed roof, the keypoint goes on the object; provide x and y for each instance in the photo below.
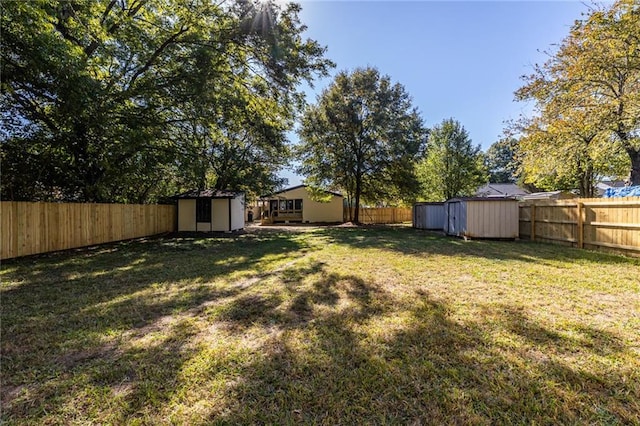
(429, 203)
(209, 193)
(490, 199)
(337, 194)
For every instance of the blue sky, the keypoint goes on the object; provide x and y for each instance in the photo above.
(460, 59)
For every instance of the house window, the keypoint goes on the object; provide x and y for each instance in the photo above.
(298, 204)
(203, 210)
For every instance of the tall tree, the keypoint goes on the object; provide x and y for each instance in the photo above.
(453, 167)
(110, 100)
(595, 75)
(567, 151)
(502, 161)
(363, 136)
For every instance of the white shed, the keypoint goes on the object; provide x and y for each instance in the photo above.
(477, 217)
(428, 216)
(211, 210)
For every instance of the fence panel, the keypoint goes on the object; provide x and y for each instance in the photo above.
(31, 228)
(610, 223)
(380, 215)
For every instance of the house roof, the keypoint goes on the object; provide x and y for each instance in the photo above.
(209, 193)
(500, 189)
(337, 194)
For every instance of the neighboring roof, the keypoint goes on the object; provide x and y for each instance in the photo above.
(209, 193)
(500, 189)
(429, 203)
(337, 194)
(605, 184)
(548, 195)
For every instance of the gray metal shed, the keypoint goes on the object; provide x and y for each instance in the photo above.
(428, 216)
(477, 217)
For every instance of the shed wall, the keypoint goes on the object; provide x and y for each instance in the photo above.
(237, 213)
(429, 216)
(186, 215)
(220, 214)
(492, 219)
(203, 226)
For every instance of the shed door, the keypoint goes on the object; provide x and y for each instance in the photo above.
(454, 219)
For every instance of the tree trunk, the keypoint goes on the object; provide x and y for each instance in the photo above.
(634, 176)
(586, 181)
(356, 214)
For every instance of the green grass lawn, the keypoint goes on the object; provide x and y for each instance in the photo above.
(328, 325)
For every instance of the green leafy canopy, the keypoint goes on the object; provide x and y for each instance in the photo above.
(131, 100)
(362, 137)
(453, 167)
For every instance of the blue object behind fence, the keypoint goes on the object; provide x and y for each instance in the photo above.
(627, 191)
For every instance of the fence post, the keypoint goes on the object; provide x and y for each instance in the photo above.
(533, 222)
(580, 225)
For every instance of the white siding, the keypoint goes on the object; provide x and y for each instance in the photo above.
(220, 214)
(186, 215)
(237, 213)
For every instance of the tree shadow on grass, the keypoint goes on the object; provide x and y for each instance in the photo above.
(326, 361)
(434, 370)
(58, 310)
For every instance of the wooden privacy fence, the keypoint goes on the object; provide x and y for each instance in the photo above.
(382, 214)
(32, 228)
(612, 223)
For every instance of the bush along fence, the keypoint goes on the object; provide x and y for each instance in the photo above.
(381, 214)
(592, 223)
(32, 228)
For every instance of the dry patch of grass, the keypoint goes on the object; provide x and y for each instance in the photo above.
(328, 325)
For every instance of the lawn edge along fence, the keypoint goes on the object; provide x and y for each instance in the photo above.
(35, 227)
(611, 224)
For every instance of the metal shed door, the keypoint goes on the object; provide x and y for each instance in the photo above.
(454, 219)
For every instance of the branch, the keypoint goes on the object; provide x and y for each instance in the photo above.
(35, 109)
(156, 54)
(91, 48)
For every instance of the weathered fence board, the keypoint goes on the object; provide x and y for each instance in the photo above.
(382, 214)
(611, 223)
(31, 228)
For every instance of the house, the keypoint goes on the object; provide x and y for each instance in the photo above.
(210, 210)
(501, 190)
(296, 204)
